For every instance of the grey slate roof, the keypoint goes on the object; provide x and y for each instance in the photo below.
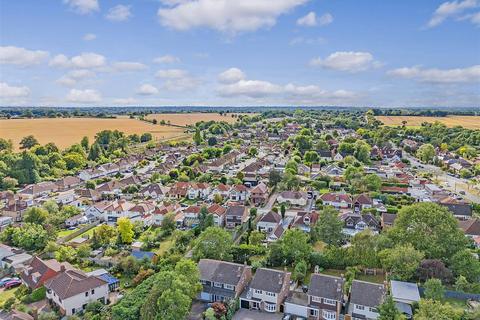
(325, 286)
(220, 271)
(269, 280)
(367, 293)
(69, 283)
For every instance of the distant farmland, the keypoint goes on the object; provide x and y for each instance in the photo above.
(185, 119)
(470, 122)
(66, 131)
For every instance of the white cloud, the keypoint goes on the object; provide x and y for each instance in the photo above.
(290, 93)
(167, 59)
(231, 75)
(89, 37)
(119, 13)
(347, 61)
(21, 56)
(458, 75)
(83, 61)
(125, 101)
(88, 60)
(7, 91)
(128, 66)
(230, 16)
(310, 20)
(74, 76)
(147, 90)
(325, 19)
(450, 9)
(84, 96)
(177, 79)
(83, 6)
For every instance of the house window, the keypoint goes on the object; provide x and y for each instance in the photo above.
(258, 291)
(86, 294)
(270, 294)
(73, 310)
(316, 299)
(329, 301)
(328, 315)
(374, 310)
(359, 307)
(314, 312)
(229, 287)
(217, 284)
(271, 307)
(93, 291)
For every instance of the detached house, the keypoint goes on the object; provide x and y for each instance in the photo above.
(222, 280)
(268, 222)
(323, 300)
(239, 192)
(267, 291)
(39, 271)
(198, 191)
(71, 290)
(365, 297)
(361, 202)
(235, 216)
(259, 194)
(155, 191)
(218, 213)
(337, 200)
(294, 198)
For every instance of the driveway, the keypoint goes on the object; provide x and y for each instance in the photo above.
(244, 314)
(197, 310)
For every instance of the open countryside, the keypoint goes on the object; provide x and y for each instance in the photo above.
(186, 119)
(469, 122)
(67, 131)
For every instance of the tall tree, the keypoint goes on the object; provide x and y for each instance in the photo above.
(125, 230)
(213, 243)
(430, 228)
(328, 227)
(388, 310)
(402, 261)
(28, 142)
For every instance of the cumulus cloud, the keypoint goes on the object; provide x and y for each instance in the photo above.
(177, 79)
(230, 16)
(128, 66)
(7, 91)
(310, 20)
(21, 56)
(290, 93)
(119, 13)
(84, 96)
(75, 76)
(231, 75)
(147, 90)
(83, 6)
(89, 37)
(86, 60)
(167, 59)
(325, 19)
(458, 75)
(451, 9)
(347, 61)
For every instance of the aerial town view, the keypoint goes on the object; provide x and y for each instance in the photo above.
(239, 160)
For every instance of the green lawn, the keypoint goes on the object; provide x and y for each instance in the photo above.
(64, 233)
(379, 278)
(89, 232)
(7, 294)
(165, 245)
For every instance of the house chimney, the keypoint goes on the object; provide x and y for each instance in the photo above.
(62, 268)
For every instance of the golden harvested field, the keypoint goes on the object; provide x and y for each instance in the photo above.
(185, 119)
(67, 131)
(470, 122)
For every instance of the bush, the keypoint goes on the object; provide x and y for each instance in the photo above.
(36, 295)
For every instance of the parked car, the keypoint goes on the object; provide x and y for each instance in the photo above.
(5, 280)
(12, 284)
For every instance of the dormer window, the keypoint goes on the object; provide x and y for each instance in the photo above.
(330, 302)
(217, 284)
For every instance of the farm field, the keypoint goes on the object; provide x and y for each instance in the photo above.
(185, 119)
(470, 122)
(66, 131)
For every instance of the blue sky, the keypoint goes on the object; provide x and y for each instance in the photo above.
(250, 52)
